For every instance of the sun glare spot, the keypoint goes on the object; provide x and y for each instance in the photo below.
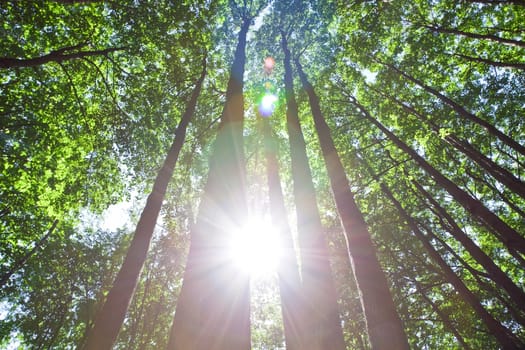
(256, 249)
(267, 105)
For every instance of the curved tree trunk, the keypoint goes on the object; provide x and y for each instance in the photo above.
(213, 309)
(507, 235)
(324, 326)
(288, 271)
(109, 319)
(385, 329)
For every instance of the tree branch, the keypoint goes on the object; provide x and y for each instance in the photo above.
(58, 56)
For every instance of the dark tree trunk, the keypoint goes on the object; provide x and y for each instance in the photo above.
(497, 191)
(21, 262)
(479, 255)
(385, 329)
(213, 309)
(488, 37)
(498, 2)
(506, 339)
(288, 271)
(516, 65)
(324, 326)
(109, 319)
(499, 173)
(478, 275)
(507, 235)
(462, 111)
(55, 56)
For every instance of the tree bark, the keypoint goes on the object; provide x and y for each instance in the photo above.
(516, 65)
(488, 37)
(384, 326)
(507, 235)
(478, 277)
(498, 2)
(59, 55)
(213, 309)
(324, 326)
(292, 299)
(109, 319)
(479, 255)
(506, 339)
(461, 111)
(499, 173)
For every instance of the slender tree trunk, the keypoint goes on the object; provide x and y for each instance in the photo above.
(477, 276)
(506, 339)
(213, 309)
(499, 173)
(324, 328)
(497, 191)
(59, 55)
(488, 37)
(507, 235)
(109, 319)
(462, 111)
(288, 271)
(479, 255)
(384, 326)
(21, 262)
(498, 2)
(447, 322)
(516, 65)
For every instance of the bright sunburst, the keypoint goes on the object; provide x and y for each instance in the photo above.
(256, 249)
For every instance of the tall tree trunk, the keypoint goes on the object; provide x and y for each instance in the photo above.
(517, 65)
(324, 328)
(488, 37)
(503, 197)
(499, 173)
(384, 326)
(461, 111)
(501, 297)
(109, 319)
(288, 271)
(497, 2)
(21, 262)
(213, 309)
(507, 235)
(506, 339)
(479, 255)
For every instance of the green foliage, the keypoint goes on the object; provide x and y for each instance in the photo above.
(80, 134)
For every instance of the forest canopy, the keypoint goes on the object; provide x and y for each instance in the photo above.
(262, 174)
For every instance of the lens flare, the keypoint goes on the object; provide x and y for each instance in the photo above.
(267, 105)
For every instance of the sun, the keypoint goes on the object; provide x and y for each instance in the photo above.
(256, 248)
